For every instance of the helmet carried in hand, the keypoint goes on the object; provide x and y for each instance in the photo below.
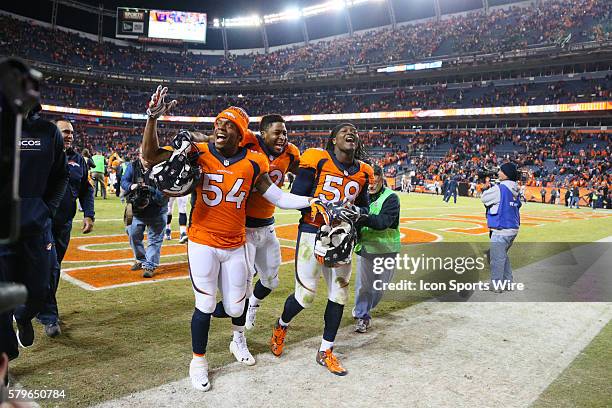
(178, 176)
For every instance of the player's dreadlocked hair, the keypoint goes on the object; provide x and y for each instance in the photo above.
(360, 152)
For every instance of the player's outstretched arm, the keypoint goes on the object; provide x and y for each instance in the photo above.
(157, 107)
(279, 198)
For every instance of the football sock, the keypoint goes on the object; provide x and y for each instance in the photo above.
(200, 324)
(282, 323)
(182, 219)
(238, 332)
(326, 345)
(333, 316)
(291, 309)
(241, 320)
(260, 291)
(253, 301)
(182, 229)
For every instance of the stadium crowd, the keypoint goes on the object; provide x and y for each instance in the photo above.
(122, 99)
(558, 159)
(499, 30)
(546, 158)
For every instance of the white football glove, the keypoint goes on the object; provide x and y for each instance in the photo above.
(157, 105)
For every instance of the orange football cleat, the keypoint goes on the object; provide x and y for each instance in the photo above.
(277, 342)
(328, 359)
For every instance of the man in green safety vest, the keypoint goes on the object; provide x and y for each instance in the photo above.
(379, 239)
(97, 174)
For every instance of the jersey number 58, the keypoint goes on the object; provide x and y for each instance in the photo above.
(333, 184)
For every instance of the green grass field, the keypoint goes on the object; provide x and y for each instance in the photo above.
(121, 340)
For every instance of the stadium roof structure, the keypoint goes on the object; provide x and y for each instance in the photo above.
(254, 24)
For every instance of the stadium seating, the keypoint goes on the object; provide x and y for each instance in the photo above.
(116, 98)
(498, 31)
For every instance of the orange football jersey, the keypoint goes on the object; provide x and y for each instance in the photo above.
(219, 215)
(334, 181)
(260, 212)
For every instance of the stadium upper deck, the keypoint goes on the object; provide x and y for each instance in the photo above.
(498, 31)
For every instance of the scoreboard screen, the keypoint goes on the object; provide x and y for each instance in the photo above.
(161, 25)
(177, 25)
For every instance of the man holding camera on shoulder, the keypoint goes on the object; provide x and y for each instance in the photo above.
(503, 219)
(147, 208)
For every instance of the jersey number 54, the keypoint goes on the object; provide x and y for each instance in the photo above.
(213, 195)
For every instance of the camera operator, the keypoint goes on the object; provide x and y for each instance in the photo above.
(78, 187)
(503, 219)
(43, 181)
(149, 208)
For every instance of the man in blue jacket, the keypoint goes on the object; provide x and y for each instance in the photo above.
(503, 219)
(78, 187)
(451, 190)
(444, 188)
(151, 217)
(43, 180)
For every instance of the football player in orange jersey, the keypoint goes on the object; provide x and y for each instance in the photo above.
(335, 173)
(217, 232)
(261, 239)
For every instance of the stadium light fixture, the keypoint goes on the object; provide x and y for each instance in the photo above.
(251, 21)
(293, 13)
(289, 14)
(337, 4)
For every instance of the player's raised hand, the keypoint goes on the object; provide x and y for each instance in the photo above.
(157, 105)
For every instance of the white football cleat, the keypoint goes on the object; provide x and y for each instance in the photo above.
(198, 372)
(183, 239)
(240, 350)
(251, 316)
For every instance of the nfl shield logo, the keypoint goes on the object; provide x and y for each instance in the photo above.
(226, 162)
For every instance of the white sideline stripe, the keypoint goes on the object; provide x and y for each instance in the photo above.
(98, 236)
(115, 260)
(77, 282)
(125, 235)
(86, 247)
(86, 286)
